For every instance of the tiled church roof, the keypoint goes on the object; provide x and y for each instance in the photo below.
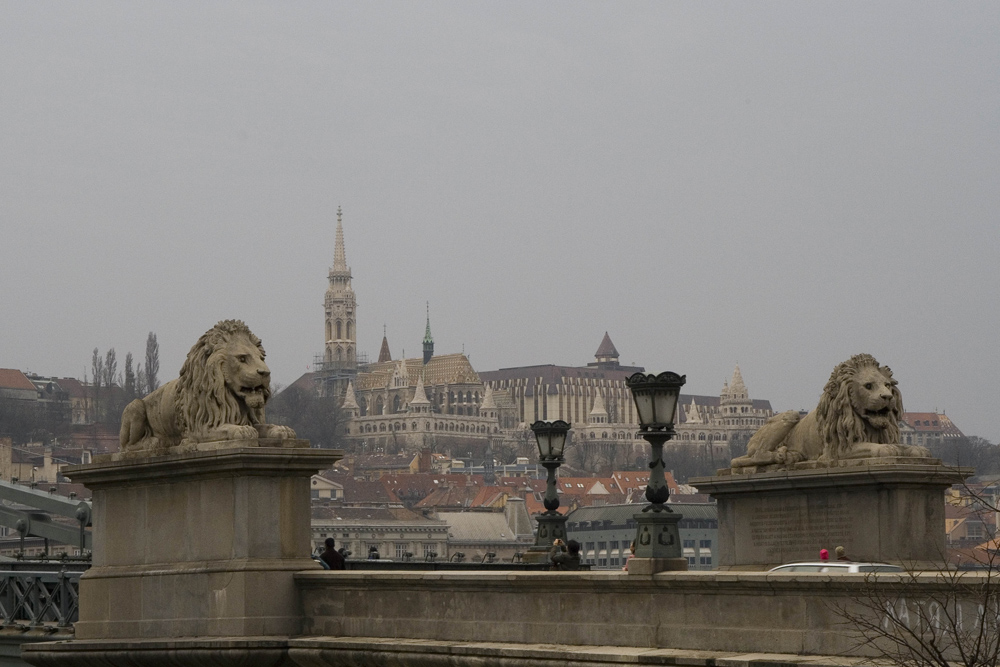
(441, 369)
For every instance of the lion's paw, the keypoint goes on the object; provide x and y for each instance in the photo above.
(275, 431)
(239, 432)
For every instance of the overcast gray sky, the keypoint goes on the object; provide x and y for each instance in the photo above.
(776, 184)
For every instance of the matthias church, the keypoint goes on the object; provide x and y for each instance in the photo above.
(440, 402)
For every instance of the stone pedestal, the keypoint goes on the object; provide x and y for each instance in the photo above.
(202, 544)
(551, 527)
(879, 510)
(657, 543)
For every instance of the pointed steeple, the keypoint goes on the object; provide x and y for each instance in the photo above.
(692, 416)
(488, 408)
(351, 401)
(606, 355)
(340, 308)
(598, 414)
(339, 256)
(383, 354)
(736, 385)
(419, 402)
(488, 402)
(428, 340)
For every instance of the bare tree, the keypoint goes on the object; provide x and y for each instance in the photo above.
(152, 363)
(97, 368)
(110, 368)
(319, 419)
(945, 618)
(129, 384)
(140, 381)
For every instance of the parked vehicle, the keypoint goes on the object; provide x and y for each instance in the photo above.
(837, 567)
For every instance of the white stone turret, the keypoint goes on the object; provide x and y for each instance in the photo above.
(419, 402)
(488, 408)
(598, 414)
(692, 416)
(351, 402)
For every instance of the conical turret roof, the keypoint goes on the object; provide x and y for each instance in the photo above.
(736, 385)
(691, 413)
(488, 402)
(607, 348)
(350, 400)
(598, 410)
(384, 354)
(419, 394)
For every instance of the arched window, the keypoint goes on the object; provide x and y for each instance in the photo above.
(349, 337)
(701, 436)
(593, 436)
(381, 427)
(339, 325)
(328, 330)
(396, 403)
(379, 406)
(363, 405)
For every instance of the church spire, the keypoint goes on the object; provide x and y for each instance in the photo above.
(383, 354)
(340, 309)
(339, 256)
(428, 340)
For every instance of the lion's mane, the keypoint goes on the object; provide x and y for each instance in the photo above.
(840, 425)
(205, 401)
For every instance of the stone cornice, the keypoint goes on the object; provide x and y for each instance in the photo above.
(880, 471)
(275, 458)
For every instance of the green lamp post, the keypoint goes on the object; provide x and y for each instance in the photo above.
(657, 536)
(551, 439)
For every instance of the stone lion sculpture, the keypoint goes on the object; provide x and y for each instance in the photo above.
(857, 417)
(220, 395)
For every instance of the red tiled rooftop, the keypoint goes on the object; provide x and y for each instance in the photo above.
(11, 378)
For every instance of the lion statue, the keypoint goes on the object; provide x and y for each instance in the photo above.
(857, 417)
(220, 395)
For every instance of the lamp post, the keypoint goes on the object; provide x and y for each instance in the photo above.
(551, 439)
(657, 540)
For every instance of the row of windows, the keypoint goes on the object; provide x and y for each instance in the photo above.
(438, 426)
(616, 545)
(338, 327)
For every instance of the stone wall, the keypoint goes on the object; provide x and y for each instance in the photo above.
(708, 611)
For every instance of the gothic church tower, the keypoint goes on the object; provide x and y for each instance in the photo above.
(340, 349)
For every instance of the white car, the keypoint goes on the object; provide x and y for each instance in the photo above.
(837, 566)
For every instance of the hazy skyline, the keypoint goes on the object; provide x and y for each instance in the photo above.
(780, 185)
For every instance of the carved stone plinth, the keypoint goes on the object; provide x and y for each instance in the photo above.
(657, 543)
(201, 544)
(878, 509)
(551, 527)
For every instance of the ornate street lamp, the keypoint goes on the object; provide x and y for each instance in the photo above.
(551, 439)
(657, 537)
